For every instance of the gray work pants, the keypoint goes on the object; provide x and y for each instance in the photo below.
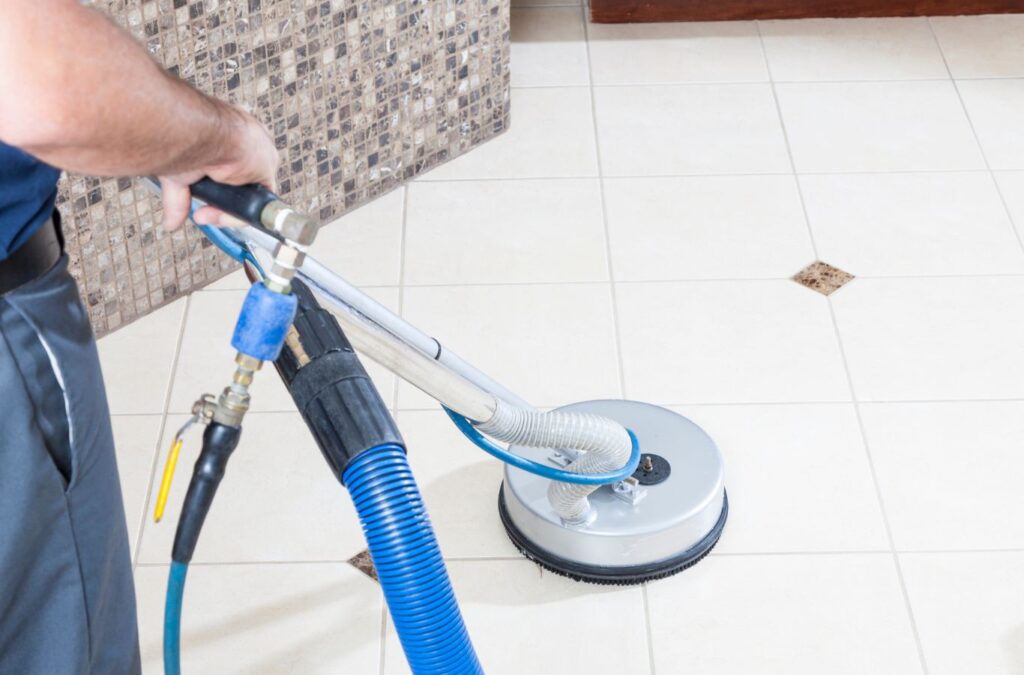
(67, 603)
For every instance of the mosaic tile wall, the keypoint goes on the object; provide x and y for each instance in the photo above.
(360, 96)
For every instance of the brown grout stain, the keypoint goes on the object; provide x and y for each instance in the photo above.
(364, 563)
(823, 278)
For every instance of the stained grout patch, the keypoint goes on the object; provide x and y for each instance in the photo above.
(364, 563)
(823, 278)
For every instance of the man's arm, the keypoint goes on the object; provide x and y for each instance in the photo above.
(81, 94)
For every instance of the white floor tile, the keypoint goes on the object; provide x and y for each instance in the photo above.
(548, 47)
(505, 231)
(728, 342)
(706, 227)
(661, 53)
(278, 501)
(856, 49)
(524, 621)
(877, 126)
(994, 107)
(232, 282)
(551, 344)
(459, 483)
(207, 359)
(552, 135)
(135, 441)
(1011, 186)
(911, 224)
(137, 361)
(786, 614)
(365, 246)
(266, 619)
(792, 473)
(969, 609)
(928, 339)
(950, 472)
(689, 129)
(982, 46)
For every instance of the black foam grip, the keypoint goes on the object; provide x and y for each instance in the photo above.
(219, 441)
(337, 399)
(242, 201)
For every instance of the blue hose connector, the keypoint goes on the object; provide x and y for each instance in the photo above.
(263, 323)
(409, 563)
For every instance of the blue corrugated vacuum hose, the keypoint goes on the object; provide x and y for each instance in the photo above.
(409, 564)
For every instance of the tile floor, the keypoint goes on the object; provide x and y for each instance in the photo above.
(636, 234)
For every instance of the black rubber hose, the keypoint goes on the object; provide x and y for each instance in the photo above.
(219, 441)
(242, 201)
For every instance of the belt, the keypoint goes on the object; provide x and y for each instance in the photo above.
(34, 258)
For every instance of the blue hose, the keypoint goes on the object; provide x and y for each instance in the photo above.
(172, 618)
(543, 470)
(409, 564)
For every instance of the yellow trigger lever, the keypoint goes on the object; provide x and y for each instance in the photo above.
(172, 462)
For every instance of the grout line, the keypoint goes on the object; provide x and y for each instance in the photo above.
(620, 361)
(383, 634)
(681, 404)
(522, 559)
(789, 147)
(326, 561)
(827, 402)
(849, 379)
(742, 554)
(748, 83)
(649, 633)
(739, 174)
(977, 139)
(616, 328)
(401, 297)
(878, 494)
(681, 280)
(137, 548)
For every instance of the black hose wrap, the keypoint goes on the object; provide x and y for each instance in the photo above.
(219, 441)
(332, 391)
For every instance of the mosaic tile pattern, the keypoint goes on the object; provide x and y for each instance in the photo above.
(361, 95)
(823, 278)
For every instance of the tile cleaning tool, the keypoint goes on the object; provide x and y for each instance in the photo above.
(609, 491)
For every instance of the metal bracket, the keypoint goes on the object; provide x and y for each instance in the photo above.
(629, 491)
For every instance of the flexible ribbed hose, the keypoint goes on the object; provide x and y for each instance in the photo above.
(606, 446)
(409, 564)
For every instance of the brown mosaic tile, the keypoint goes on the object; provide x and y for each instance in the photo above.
(361, 96)
(364, 563)
(822, 277)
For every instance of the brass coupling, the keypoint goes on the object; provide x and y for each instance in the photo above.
(233, 402)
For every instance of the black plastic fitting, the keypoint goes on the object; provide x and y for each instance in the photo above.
(337, 399)
(219, 441)
(241, 201)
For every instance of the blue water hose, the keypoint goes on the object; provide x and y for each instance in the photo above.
(544, 470)
(172, 618)
(409, 563)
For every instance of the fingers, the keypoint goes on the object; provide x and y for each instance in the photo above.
(177, 203)
(208, 215)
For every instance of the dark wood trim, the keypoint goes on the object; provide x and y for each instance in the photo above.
(637, 11)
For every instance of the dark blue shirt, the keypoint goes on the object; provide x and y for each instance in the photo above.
(28, 190)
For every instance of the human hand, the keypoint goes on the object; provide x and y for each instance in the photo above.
(248, 156)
